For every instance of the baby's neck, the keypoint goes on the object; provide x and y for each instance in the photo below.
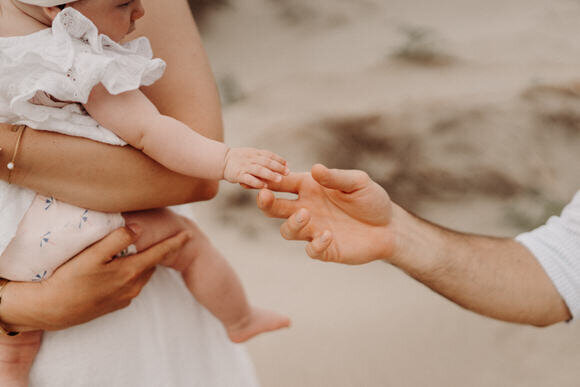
(21, 19)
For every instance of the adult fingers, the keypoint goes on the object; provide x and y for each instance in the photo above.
(319, 245)
(105, 249)
(340, 179)
(275, 207)
(289, 183)
(156, 253)
(296, 227)
(141, 281)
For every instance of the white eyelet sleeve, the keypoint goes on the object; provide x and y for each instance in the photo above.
(556, 246)
(65, 62)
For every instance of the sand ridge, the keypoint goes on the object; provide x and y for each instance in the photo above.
(466, 111)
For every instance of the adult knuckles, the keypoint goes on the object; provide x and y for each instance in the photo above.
(133, 292)
(361, 178)
(128, 273)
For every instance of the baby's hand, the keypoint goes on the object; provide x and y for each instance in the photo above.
(252, 167)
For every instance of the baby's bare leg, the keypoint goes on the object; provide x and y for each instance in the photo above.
(206, 273)
(17, 354)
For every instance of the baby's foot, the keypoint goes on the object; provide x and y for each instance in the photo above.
(256, 322)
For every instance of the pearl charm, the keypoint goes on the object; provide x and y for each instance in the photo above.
(10, 165)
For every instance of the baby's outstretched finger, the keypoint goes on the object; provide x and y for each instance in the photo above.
(274, 165)
(264, 173)
(273, 156)
(252, 181)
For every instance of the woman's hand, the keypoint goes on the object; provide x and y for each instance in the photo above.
(88, 286)
(346, 217)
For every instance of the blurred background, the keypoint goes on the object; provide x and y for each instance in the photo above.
(467, 112)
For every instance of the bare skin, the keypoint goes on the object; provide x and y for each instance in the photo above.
(207, 274)
(347, 218)
(126, 180)
(74, 285)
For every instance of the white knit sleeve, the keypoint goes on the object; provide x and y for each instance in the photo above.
(556, 246)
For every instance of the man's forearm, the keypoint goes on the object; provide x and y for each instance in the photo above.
(495, 277)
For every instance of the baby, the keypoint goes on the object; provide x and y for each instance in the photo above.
(75, 78)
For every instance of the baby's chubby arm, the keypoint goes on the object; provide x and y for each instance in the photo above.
(134, 118)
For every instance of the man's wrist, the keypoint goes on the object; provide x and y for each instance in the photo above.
(416, 242)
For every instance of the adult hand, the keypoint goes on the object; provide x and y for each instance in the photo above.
(88, 286)
(345, 216)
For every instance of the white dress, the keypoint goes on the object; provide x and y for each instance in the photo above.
(164, 338)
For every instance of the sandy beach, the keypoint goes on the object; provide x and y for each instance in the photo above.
(467, 112)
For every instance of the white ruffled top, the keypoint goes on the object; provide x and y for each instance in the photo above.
(66, 62)
(63, 63)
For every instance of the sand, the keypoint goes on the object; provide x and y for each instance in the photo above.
(466, 111)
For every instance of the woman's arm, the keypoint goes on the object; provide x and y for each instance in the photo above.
(108, 178)
(98, 176)
(90, 285)
(187, 91)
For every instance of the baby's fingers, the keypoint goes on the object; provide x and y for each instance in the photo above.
(264, 173)
(275, 162)
(274, 165)
(249, 181)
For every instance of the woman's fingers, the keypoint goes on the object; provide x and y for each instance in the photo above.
(296, 227)
(275, 207)
(156, 253)
(141, 281)
(343, 180)
(319, 245)
(112, 244)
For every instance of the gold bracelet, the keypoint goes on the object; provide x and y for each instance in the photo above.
(3, 329)
(12, 164)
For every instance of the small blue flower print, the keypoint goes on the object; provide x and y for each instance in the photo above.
(39, 277)
(44, 240)
(49, 202)
(84, 218)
